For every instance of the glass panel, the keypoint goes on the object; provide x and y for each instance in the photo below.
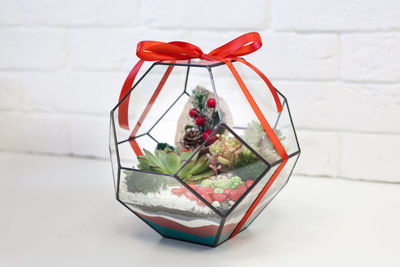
(177, 132)
(171, 91)
(128, 158)
(275, 188)
(168, 207)
(242, 118)
(169, 128)
(150, 98)
(237, 214)
(231, 170)
(285, 128)
(260, 92)
(113, 154)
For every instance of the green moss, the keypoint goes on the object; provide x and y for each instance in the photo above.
(141, 182)
(250, 171)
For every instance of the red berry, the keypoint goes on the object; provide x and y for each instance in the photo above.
(200, 120)
(211, 103)
(193, 113)
(207, 133)
(212, 139)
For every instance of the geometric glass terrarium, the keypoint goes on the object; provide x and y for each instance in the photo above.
(196, 160)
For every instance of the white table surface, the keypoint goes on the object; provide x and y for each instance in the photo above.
(59, 211)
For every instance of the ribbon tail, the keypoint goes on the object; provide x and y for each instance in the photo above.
(124, 105)
(266, 80)
(272, 136)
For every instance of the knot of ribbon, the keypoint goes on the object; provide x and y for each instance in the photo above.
(177, 50)
(242, 45)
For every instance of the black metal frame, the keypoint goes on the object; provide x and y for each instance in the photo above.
(223, 217)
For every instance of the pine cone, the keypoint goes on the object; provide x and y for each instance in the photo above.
(192, 138)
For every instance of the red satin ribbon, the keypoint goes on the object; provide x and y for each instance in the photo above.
(242, 45)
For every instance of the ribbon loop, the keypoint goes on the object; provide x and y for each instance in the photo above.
(154, 51)
(240, 46)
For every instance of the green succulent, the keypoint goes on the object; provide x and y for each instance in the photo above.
(226, 149)
(169, 162)
(220, 184)
(244, 158)
(253, 134)
(256, 137)
(235, 182)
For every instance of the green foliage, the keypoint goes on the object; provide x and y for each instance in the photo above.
(214, 118)
(235, 182)
(199, 98)
(256, 137)
(140, 182)
(162, 146)
(254, 134)
(244, 158)
(250, 171)
(169, 162)
(189, 127)
(222, 183)
(247, 165)
(226, 149)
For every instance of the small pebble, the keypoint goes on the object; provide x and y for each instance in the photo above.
(216, 204)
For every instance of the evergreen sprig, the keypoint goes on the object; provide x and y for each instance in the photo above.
(199, 101)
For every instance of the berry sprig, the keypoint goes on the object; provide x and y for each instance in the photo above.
(204, 113)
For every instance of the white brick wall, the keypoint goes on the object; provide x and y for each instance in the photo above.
(300, 49)
(62, 64)
(371, 57)
(207, 14)
(336, 15)
(32, 49)
(78, 13)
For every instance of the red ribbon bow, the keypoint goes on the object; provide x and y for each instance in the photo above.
(240, 46)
